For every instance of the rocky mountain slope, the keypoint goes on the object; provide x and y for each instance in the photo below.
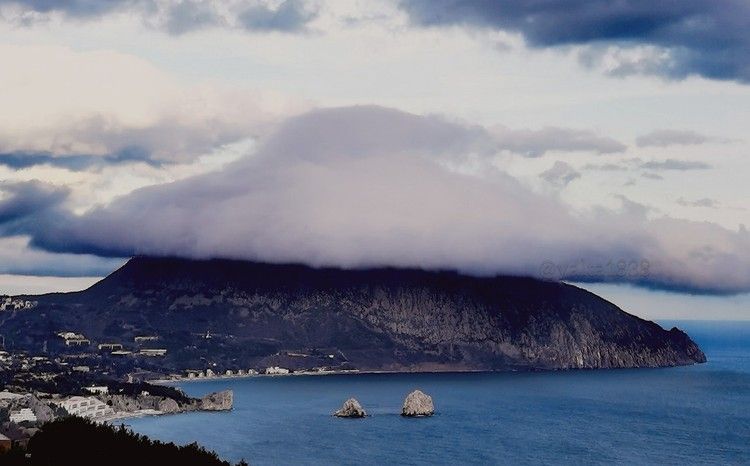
(234, 314)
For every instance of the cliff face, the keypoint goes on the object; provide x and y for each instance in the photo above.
(243, 314)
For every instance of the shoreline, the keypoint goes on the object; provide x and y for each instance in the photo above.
(182, 379)
(319, 374)
(122, 415)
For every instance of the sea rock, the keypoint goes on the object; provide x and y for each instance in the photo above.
(417, 404)
(351, 408)
(219, 401)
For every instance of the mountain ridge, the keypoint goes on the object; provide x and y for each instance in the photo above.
(369, 319)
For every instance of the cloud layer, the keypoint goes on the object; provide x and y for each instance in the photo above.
(671, 137)
(675, 164)
(21, 160)
(58, 102)
(560, 175)
(367, 186)
(534, 143)
(177, 16)
(24, 199)
(674, 38)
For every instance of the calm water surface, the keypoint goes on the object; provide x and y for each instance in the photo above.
(686, 415)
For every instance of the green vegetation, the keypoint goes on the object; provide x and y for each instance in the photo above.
(81, 442)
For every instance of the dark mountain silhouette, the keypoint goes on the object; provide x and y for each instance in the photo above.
(238, 314)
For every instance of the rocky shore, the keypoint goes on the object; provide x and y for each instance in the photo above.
(21, 414)
(127, 406)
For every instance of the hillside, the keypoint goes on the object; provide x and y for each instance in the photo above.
(238, 314)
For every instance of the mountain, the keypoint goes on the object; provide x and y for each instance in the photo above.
(234, 314)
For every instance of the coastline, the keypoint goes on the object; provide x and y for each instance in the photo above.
(315, 374)
(182, 379)
(122, 415)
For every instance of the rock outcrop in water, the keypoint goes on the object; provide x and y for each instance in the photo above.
(219, 401)
(418, 404)
(351, 408)
(298, 317)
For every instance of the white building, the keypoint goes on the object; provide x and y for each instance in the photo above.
(88, 407)
(275, 370)
(73, 339)
(7, 303)
(97, 389)
(143, 338)
(23, 414)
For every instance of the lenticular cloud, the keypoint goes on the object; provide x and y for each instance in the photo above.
(369, 186)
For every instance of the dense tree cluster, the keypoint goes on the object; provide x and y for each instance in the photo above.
(78, 441)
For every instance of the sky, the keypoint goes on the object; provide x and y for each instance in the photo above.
(603, 143)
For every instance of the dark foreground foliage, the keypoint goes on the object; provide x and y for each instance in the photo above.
(76, 441)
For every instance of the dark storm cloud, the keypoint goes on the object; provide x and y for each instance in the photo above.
(710, 38)
(290, 15)
(74, 8)
(182, 16)
(369, 186)
(21, 160)
(189, 16)
(22, 199)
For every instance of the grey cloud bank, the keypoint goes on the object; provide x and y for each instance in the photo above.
(18, 259)
(703, 202)
(90, 141)
(290, 15)
(675, 164)
(560, 175)
(24, 199)
(666, 137)
(369, 186)
(21, 160)
(534, 143)
(179, 17)
(710, 38)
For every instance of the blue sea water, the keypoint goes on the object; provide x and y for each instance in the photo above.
(684, 415)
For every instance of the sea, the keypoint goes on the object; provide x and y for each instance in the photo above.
(683, 415)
